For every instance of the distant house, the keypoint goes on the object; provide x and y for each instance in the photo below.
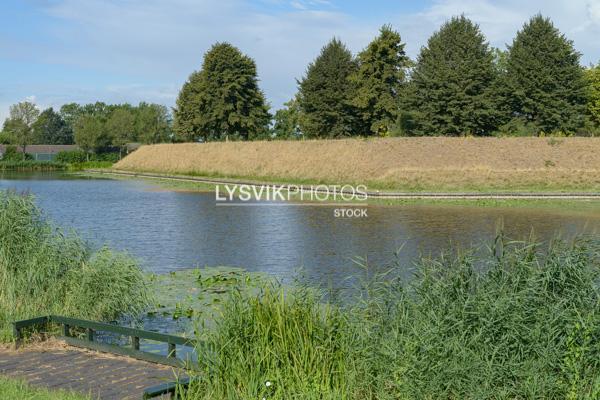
(42, 152)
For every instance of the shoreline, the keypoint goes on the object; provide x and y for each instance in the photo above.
(371, 194)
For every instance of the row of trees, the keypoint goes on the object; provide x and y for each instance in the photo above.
(458, 85)
(94, 127)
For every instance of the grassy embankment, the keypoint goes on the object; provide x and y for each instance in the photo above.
(45, 271)
(523, 322)
(434, 164)
(49, 166)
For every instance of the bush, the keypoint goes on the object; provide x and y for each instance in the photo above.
(44, 271)
(80, 156)
(522, 322)
(71, 157)
(11, 154)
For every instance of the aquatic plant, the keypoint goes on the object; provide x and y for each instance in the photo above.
(522, 321)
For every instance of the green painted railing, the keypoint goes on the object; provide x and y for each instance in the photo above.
(91, 328)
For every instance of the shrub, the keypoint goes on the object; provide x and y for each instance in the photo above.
(71, 157)
(12, 154)
(45, 271)
(80, 156)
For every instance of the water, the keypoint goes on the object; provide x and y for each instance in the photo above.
(170, 230)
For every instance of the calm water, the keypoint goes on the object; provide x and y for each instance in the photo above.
(171, 230)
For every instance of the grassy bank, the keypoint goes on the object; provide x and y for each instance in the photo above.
(30, 165)
(19, 390)
(522, 322)
(407, 164)
(46, 271)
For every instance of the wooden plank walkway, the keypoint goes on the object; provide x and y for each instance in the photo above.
(102, 376)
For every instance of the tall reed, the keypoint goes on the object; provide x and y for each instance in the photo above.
(43, 270)
(521, 322)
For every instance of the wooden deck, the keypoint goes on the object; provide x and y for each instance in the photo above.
(99, 375)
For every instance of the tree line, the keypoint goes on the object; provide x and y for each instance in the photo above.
(94, 127)
(458, 86)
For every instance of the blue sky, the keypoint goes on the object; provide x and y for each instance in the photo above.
(59, 51)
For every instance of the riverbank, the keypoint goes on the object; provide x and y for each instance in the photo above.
(435, 164)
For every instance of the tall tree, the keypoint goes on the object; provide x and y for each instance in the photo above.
(22, 117)
(286, 122)
(120, 126)
(379, 81)
(51, 128)
(544, 83)
(90, 134)
(152, 123)
(325, 94)
(453, 83)
(223, 99)
(593, 77)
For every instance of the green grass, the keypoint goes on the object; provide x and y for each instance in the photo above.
(46, 271)
(30, 165)
(89, 165)
(521, 322)
(18, 390)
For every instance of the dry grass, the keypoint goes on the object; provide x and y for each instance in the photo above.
(436, 163)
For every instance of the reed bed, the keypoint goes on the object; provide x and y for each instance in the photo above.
(44, 270)
(424, 163)
(521, 322)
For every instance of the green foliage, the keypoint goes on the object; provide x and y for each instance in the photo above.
(44, 271)
(6, 138)
(452, 89)
(20, 122)
(325, 94)
(121, 127)
(51, 128)
(78, 157)
(90, 134)
(31, 165)
(544, 83)
(379, 81)
(12, 154)
(222, 100)
(152, 124)
(593, 79)
(287, 121)
(521, 321)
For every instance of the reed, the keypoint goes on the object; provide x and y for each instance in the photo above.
(521, 322)
(44, 270)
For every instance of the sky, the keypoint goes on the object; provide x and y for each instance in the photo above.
(59, 51)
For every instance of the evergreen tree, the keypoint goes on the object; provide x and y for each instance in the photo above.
(452, 89)
(325, 94)
(544, 83)
(223, 99)
(51, 128)
(379, 81)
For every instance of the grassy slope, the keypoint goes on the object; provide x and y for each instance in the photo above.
(19, 390)
(412, 164)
